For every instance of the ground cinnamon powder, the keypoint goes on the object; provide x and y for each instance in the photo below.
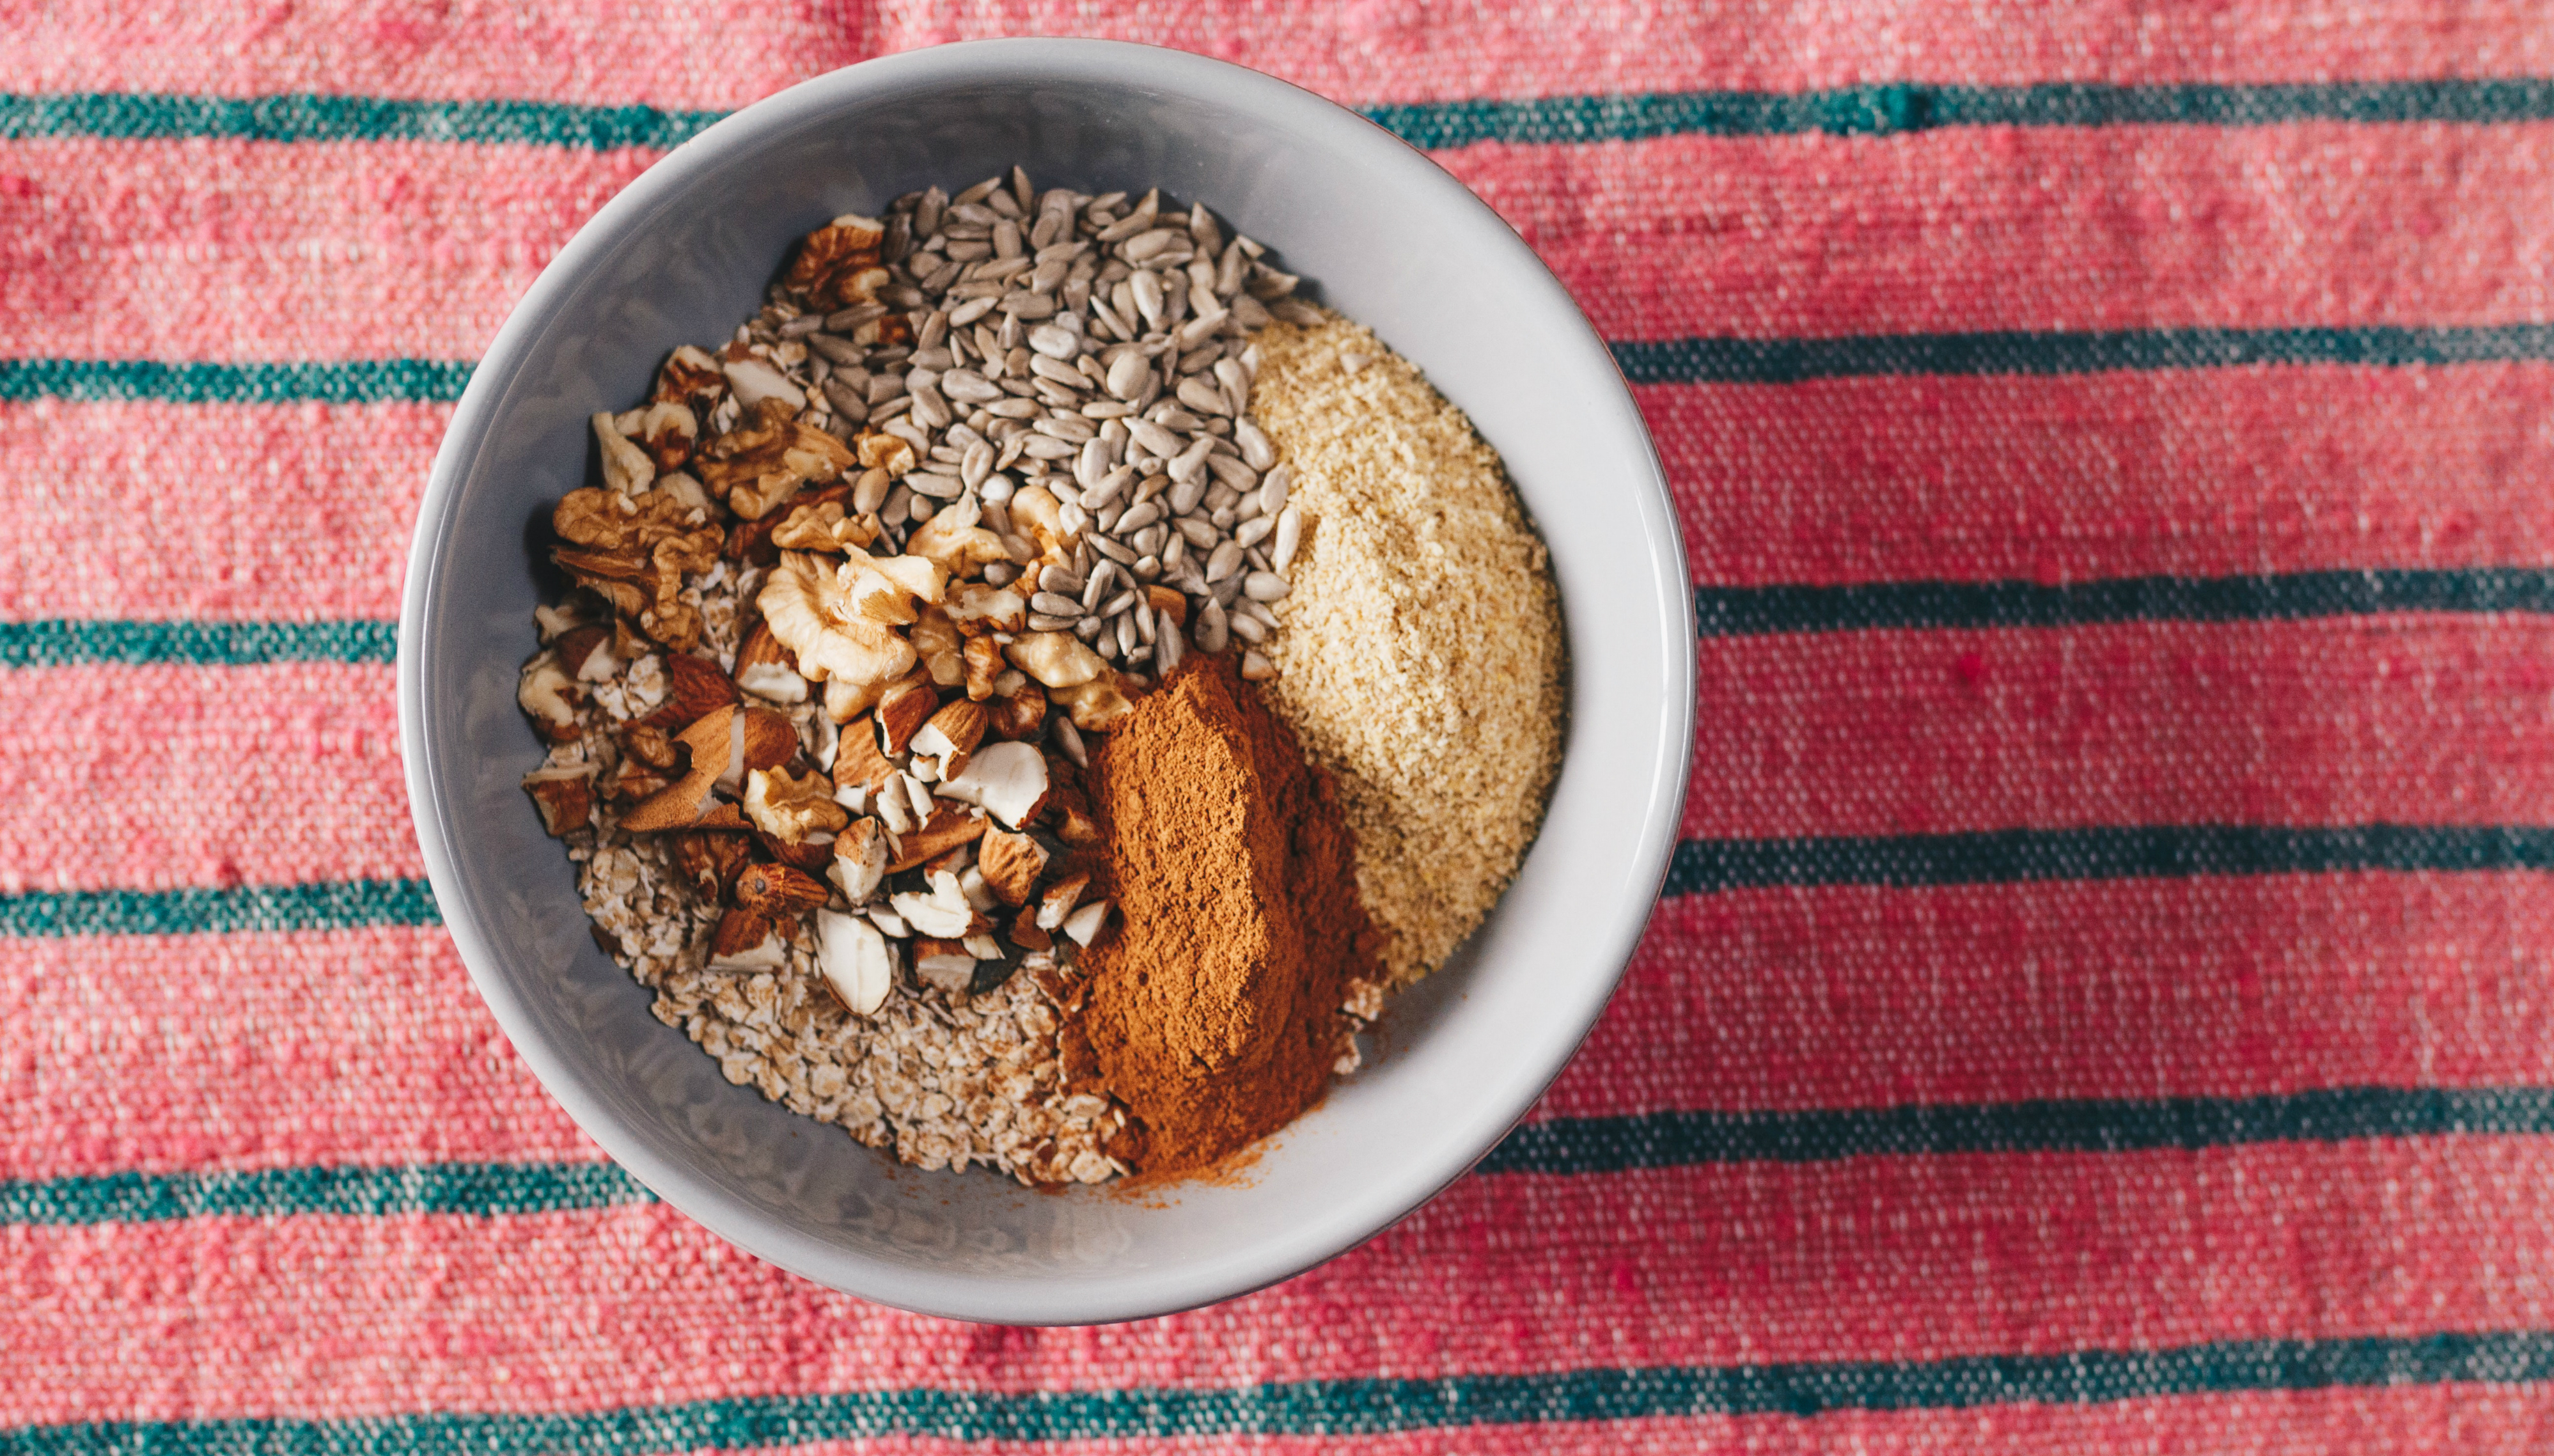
(1211, 1009)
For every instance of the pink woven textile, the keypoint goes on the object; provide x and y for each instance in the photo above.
(2102, 1001)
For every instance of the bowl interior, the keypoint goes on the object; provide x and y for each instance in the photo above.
(1391, 240)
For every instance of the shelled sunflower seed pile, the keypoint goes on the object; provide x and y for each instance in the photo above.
(1084, 365)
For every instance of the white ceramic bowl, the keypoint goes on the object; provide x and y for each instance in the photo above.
(1388, 238)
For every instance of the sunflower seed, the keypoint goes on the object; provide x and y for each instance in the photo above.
(1055, 603)
(938, 487)
(1139, 518)
(1106, 490)
(1256, 452)
(1272, 488)
(1128, 634)
(1265, 585)
(1256, 668)
(1186, 494)
(1147, 292)
(1231, 470)
(1290, 535)
(1247, 629)
(1198, 394)
(1041, 622)
(1254, 530)
(1156, 440)
(1197, 534)
(1225, 560)
(1192, 461)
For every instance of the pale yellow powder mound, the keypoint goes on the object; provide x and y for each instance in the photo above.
(1421, 660)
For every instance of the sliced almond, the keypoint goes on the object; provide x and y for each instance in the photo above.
(1085, 924)
(860, 860)
(778, 891)
(1060, 900)
(744, 941)
(1011, 865)
(859, 761)
(766, 669)
(951, 735)
(1007, 780)
(585, 654)
(947, 828)
(943, 964)
(694, 687)
(1024, 932)
(855, 960)
(904, 708)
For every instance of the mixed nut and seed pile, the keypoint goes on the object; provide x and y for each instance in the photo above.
(859, 596)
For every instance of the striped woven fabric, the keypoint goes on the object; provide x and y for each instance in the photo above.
(2102, 999)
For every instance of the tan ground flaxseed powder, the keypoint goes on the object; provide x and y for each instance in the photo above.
(1421, 658)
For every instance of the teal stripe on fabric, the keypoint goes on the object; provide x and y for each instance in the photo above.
(1695, 361)
(1733, 361)
(67, 642)
(1896, 110)
(1860, 111)
(130, 116)
(1352, 1407)
(1562, 1147)
(328, 905)
(1587, 1145)
(480, 1189)
(352, 382)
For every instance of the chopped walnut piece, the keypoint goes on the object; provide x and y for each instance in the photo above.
(790, 808)
(667, 433)
(756, 466)
(978, 609)
(936, 642)
(691, 378)
(547, 695)
(626, 467)
(1096, 705)
(953, 539)
(1056, 660)
(836, 266)
(633, 552)
(809, 606)
(710, 861)
(983, 658)
(1022, 717)
(565, 798)
(824, 526)
(881, 451)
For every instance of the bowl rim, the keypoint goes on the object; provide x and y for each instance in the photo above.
(996, 1298)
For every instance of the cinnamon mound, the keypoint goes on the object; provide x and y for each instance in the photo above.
(1213, 1013)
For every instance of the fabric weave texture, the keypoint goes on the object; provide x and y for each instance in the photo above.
(2102, 999)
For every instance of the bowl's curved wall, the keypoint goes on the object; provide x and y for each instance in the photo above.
(1393, 240)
